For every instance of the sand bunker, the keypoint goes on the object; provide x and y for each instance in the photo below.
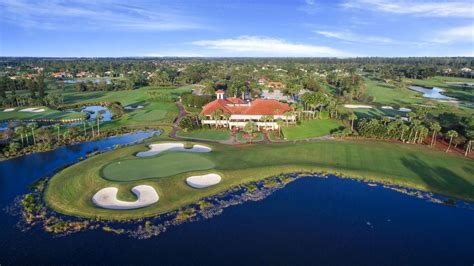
(107, 198)
(32, 110)
(9, 109)
(161, 147)
(203, 181)
(133, 108)
(354, 106)
(404, 110)
(387, 107)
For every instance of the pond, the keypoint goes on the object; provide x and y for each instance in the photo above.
(434, 93)
(310, 221)
(95, 109)
(72, 81)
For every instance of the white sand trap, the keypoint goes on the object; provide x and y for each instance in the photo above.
(107, 198)
(403, 109)
(133, 108)
(203, 181)
(32, 110)
(387, 107)
(355, 106)
(9, 110)
(161, 147)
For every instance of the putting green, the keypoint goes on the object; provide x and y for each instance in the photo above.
(158, 166)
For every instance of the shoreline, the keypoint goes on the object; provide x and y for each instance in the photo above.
(60, 224)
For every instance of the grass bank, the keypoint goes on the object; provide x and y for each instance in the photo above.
(71, 190)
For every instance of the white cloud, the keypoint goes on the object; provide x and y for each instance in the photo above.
(100, 15)
(352, 37)
(309, 6)
(425, 8)
(266, 46)
(458, 34)
(174, 54)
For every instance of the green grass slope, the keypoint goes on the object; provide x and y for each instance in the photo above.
(71, 190)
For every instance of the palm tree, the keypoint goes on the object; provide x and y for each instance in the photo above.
(287, 116)
(32, 127)
(280, 124)
(201, 117)
(57, 127)
(351, 116)
(20, 130)
(404, 129)
(435, 127)
(216, 115)
(227, 117)
(470, 135)
(99, 117)
(451, 134)
(84, 127)
(249, 128)
(91, 124)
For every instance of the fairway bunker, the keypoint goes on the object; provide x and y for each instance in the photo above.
(32, 110)
(355, 106)
(107, 198)
(203, 181)
(156, 149)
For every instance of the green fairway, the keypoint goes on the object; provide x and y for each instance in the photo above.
(156, 166)
(311, 129)
(387, 94)
(48, 114)
(207, 134)
(70, 191)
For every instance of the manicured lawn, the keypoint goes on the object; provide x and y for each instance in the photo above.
(311, 129)
(377, 112)
(167, 164)
(47, 114)
(257, 137)
(208, 134)
(71, 190)
(387, 94)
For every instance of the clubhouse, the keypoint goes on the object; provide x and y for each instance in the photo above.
(235, 113)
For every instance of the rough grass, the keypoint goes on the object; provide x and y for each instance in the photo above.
(163, 165)
(420, 167)
(207, 134)
(311, 129)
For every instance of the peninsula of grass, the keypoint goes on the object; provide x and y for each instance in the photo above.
(70, 191)
(206, 134)
(311, 129)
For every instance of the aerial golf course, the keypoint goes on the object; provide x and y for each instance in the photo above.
(71, 190)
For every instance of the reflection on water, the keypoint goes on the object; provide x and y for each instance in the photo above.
(95, 109)
(72, 81)
(434, 93)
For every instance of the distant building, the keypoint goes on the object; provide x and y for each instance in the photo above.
(241, 112)
(275, 85)
(58, 75)
(262, 81)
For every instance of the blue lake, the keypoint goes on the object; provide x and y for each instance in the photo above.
(310, 221)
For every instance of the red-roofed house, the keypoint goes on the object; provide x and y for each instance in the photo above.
(263, 112)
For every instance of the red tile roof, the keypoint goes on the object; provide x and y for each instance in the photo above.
(220, 91)
(257, 107)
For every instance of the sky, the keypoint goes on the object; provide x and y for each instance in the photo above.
(236, 28)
